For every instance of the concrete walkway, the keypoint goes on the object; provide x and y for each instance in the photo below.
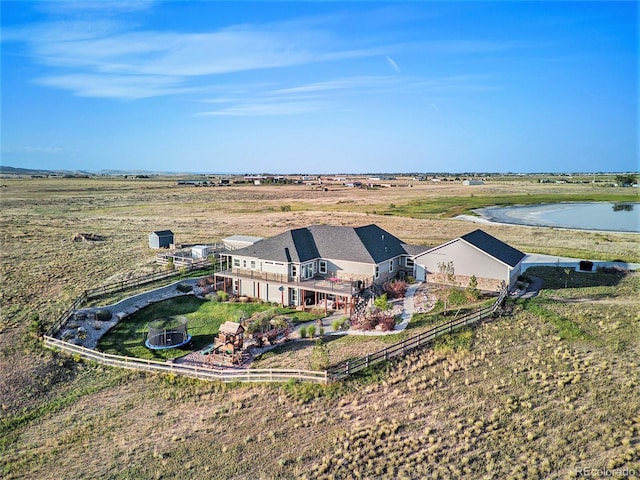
(408, 309)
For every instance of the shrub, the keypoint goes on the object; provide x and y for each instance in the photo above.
(387, 323)
(456, 297)
(170, 265)
(382, 303)
(103, 314)
(303, 332)
(395, 288)
(211, 297)
(321, 331)
(311, 330)
(285, 208)
(411, 279)
(222, 295)
(184, 287)
(319, 356)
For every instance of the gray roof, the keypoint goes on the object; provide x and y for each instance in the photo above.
(415, 250)
(162, 233)
(367, 244)
(494, 247)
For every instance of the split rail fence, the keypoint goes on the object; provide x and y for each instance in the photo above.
(335, 373)
(345, 369)
(202, 373)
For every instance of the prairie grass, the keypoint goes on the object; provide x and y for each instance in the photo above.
(519, 402)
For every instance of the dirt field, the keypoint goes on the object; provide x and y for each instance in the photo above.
(517, 401)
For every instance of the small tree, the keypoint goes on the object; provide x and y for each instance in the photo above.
(382, 303)
(447, 272)
(472, 288)
(567, 272)
(319, 356)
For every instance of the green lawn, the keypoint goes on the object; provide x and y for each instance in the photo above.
(205, 317)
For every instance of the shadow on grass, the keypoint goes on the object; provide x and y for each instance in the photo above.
(556, 278)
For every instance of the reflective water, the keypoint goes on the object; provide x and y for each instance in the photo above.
(621, 217)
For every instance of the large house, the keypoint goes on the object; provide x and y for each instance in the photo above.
(326, 265)
(478, 254)
(320, 265)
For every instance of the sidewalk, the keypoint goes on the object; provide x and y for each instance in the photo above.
(407, 314)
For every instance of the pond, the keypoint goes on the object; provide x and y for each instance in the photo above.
(618, 217)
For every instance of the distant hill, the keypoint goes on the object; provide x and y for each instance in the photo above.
(6, 170)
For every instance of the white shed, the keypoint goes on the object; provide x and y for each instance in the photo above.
(200, 251)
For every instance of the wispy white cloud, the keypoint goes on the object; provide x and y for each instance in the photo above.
(35, 150)
(264, 100)
(116, 86)
(267, 108)
(88, 7)
(108, 58)
(91, 49)
(393, 63)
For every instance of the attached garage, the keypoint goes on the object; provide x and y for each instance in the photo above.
(476, 253)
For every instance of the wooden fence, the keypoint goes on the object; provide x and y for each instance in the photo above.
(202, 373)
(335, 373)
(143, 280)
(345, 369)
(118, 287)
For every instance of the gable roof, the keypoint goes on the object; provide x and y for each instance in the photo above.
(231, 328)
(367, 244)
(494, 247)
(162, 233)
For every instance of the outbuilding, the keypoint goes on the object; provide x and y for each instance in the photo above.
(161, 239)
(477, 254)
(235, 242)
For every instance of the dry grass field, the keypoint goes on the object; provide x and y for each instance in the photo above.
(514, 399)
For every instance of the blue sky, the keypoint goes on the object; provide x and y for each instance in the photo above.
(325, 87)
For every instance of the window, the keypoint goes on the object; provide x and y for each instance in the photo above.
(322, 267)
(377, 271)
(236, 262)
(390, 265)
(294, 296)
(307, 271)
(236, 286)
(244, 264)
(409, 262)
(294, 270)
(253, 264)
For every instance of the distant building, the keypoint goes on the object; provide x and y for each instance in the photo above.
(161, 239)
(472, 182)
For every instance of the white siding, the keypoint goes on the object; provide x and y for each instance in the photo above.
(467, 261)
